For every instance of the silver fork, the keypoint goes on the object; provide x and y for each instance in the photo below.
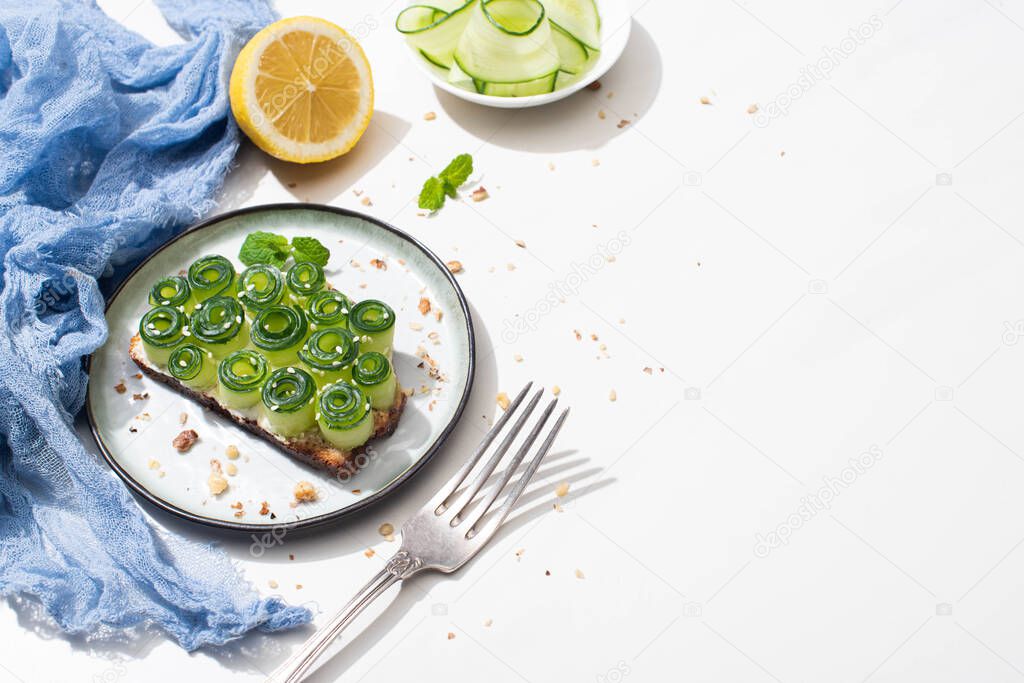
(443, 535)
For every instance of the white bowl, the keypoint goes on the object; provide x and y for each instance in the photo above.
(615, 25)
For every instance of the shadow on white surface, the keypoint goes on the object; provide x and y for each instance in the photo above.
(572, 124)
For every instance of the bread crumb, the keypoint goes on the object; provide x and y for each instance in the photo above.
(454, 266)
(232, 452)
(563, 489)
(612, 396)
(429, 116)
(120, 387)
(424, 305)
(479, 194)
(232, 469)
(305, 492)
(579, 574)
(752, 109)
(502, 399)
(556, 390)
(185, 440)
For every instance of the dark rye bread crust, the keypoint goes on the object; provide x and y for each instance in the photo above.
(310, 448)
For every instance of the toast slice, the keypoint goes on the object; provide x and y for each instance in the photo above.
(309, 448)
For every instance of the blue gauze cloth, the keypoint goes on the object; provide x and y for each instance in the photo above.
(108, 146)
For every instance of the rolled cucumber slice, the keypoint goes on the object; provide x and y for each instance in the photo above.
(289, 397)
(434, 30)
(344, 415)
(572, 54)
(578, 18)
(537, 87)
(507, 41)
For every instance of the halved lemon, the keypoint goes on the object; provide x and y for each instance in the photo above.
(302, 90)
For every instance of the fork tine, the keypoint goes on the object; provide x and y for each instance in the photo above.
(520, 486)
(512, 466)
(438, 503)
(492, 463)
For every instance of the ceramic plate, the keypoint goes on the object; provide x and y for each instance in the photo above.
(134, 429)
(615, 24)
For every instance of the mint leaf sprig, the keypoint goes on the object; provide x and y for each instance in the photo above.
(445, 184)
(267, 247)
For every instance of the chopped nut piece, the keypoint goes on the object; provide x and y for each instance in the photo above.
(140, 397)
(365, 201)
(521, 244)
(378, 264)
(232, 469)
(298, 586)
(520, 553)
(184, 441)
(579, 574)
(183, 418)
(272, 583)
(488, 622)
(622, 123)
(601, 115)
(138, 375)
(503, 401)
(556, 390)
(429, 116)
(424, 306)
(120, 387)
(518, 358)
(563, 489)
(479, 194)
(451, 636)
(578, 335)
(386, 529)
(454, 266)
(596, 85)
(305, 492)
(217, 483)
(551, 166)
(705, 100)
(264, 510)
(154, 464)
(232, 452)
(752, 109)
(369, 552)
(612, 396)
(510, 267)
(595, 162)
(649, 371)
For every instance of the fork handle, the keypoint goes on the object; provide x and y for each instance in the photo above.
(400, 566)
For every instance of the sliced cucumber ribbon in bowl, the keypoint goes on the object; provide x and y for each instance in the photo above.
(506, 48)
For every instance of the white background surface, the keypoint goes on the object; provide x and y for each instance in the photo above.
(816, 304)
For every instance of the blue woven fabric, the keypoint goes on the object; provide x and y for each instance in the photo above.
(108, 146)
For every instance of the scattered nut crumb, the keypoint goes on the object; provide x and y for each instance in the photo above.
(579, 574)
(438, 314)
(578, 335)
(502, 400)
(365, 201)
(563, 489)
(510, 267)
(183, 418)
(451, 636)
(649, 371)
(185, 440)
(369, 552)
(429, 116)
(415, 327)
(138, 375)
(298, 586)
(556, 390)
(424, 306)
(232, 469)
(596, 85)
(612, 396)
(595, 162)
(622, 123)
(547, 572)
(231, 452)
(216, 483)
(479, 194)
(518, 358)
(140, 397)
(272, 583)
(264, 510)
(386, 529)
(305, 492)
(378, 264)
(154, 464)
(454, 266)
(120, 387)
(705, 100)
(488, 622)
(520, 553)
(521, 244)
(752, 109)
(601, 115)
(551, 166)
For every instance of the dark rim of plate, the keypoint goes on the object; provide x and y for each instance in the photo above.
(358, 505)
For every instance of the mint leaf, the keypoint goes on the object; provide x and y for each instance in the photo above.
(458, 171)
(264, 247)
(432, 194)
(310, 249)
